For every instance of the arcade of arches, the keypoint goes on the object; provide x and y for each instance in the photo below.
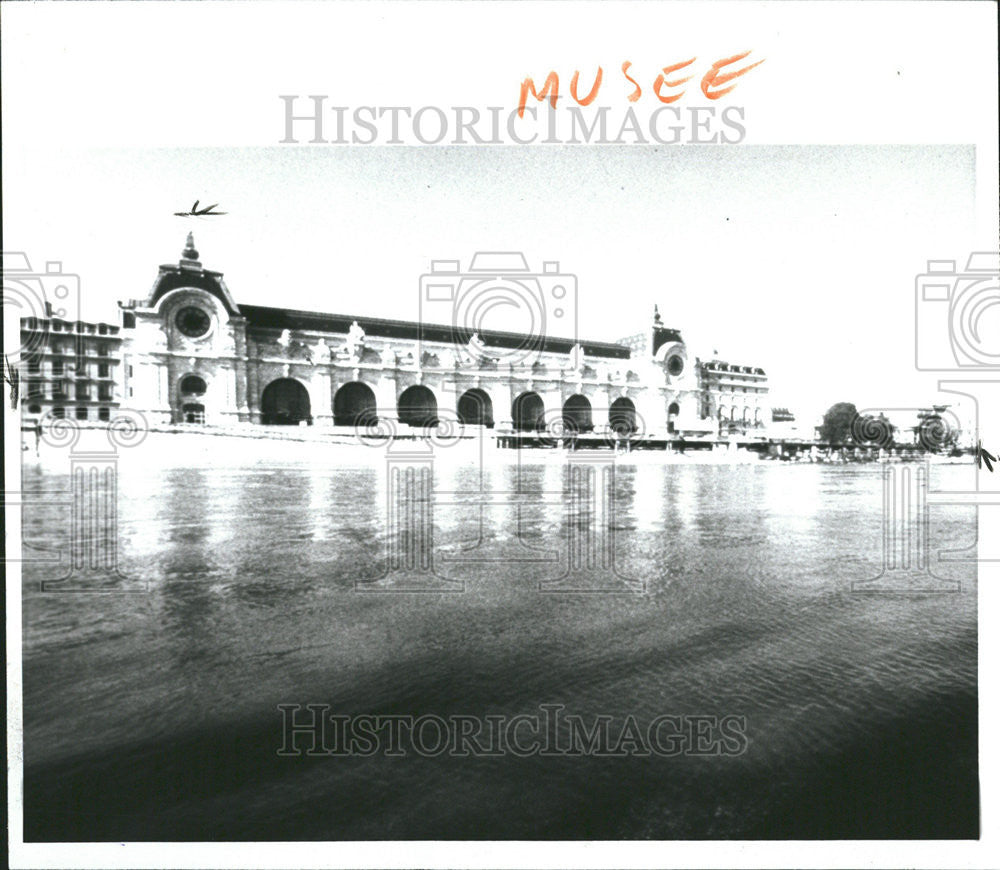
(286, 402)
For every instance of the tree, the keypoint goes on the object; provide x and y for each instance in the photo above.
(837, 422)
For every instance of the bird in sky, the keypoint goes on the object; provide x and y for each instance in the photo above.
(205, 211)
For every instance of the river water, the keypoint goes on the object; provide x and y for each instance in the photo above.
(247, 573)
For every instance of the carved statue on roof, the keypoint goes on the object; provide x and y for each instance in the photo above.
(476, 345)
(476, 348)
(446, 360)
(285, 339)
(321, 353)
(576, 357)
(355, 345)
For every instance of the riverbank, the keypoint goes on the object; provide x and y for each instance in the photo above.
(179, 444)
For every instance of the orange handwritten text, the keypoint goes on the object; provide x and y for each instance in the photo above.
(551, 89)
(712, 77)
(587, 100)
(676, 83)
(712, 83)
(638, 91)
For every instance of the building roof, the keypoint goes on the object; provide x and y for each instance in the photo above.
(718, 365)
(263, 317)
(189, 272)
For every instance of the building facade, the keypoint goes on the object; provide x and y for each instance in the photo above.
(69, 369)
(191, 354)
(736, 396)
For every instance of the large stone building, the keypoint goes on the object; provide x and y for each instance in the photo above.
(192, 355)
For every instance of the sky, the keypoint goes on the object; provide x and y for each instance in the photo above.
(799, 259)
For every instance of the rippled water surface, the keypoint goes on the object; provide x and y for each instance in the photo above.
(151, 711)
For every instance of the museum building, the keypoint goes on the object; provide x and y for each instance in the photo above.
(190, 354)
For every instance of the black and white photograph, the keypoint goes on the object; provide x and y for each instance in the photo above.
(501, 434)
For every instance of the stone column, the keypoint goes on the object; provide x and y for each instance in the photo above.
(385, 395)
(502, 393)
(651, 405)
(448, 394)
(240, 368)
(321, 392)
(552, 396)
(253, 381)
(601, 407)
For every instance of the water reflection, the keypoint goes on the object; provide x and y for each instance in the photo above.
(254, 574)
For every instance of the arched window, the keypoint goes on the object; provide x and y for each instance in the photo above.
(475, 408)
(285, 402)
(577, 416)
(622, 417)
(193, 385)
(354, 405)
(417, 407)
(528, 413)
